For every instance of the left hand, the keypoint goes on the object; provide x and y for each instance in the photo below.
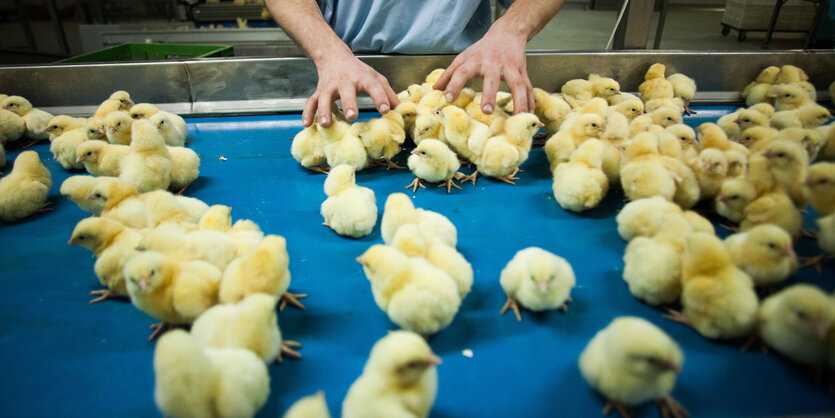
(495, 57)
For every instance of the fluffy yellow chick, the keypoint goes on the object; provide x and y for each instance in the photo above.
(433, 161)
(621, 98)
(2, 156)
(465, 135)
(63, 123)
(416, 295)
(734, 195)
(717, 298)
(185, 167)
(604, 87)
(399, 210)
(465, 96)
(24, 191)
(121, 201)
(688, 191)
(550, 109)
(711, 169)
(64, 147)
(666, 116)
(757, 137)
(36, 120)
(191, 380)
(173, 132)
(12, 126)
(382, 137)
(562, 144)
(687, 137)
(773, 208)
(251, 324)
(712, 136)
(643, 217)
(764, 252)
(78, 188)
(788, 96)
(175, 292)
(827, 134)
(616, 128)
(826, 241)
(118, 125)
(113, 244)
(410, 240)
(208, 245)
(577, 92)
(537, 280)
(737, 164)
(413, 93)
(580, 184)
(265, 270)
(630, 362)
(796, 321)
(643, 173)
(312, 406)
(757, 91)
(810, 115)
(631, 108)
(399, 379)
(349, 210)
(655, 104)
(123, 97)
(148, 165)
(428, 125)
(788, 162)
(308, 148)
(819, 187)
(408, 111)
(684, 88)
(642, 123)
(247, 234)
(495, 121)
(118, 101)
(652, 265)
(95, 129)
(342, 146)
(101, 158)
(655, 86)
(503, 154)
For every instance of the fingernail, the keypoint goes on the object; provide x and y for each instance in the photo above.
(322, 120)
(449, 97)
(488, 108)
(384, 108)
(305, 121)
(350, 113)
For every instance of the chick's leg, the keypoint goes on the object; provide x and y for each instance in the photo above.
(45, 208)
(623, 409)
(291, 299)
(103, 295)
(415, 184)
(564, 306)
(449, 185)
(159, 329)
(391, 164)
(671, 408)
(676, 316)
(511, 304)
(816, 262)
(319, 169)
(287, 347)
(471, 177)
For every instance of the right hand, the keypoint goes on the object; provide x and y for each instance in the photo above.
(345, 76)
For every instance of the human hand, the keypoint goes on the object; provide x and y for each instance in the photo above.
(497, 56)
(345, 75)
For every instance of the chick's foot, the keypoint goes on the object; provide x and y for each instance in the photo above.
(103, 295)
(671, 408)
(754, 341)
(45, 208)
(287, 348)
(415, 184)
(291, 299)
(623, 409)
(449, 185)
(510, 179)
(816, 262)
(318, 170)
(512, 304)
(391, 164)
(676, 316)
(159, 329)
(471, 177)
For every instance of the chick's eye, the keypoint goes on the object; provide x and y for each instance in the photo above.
(153, 272)
(781, 154)
(412, 364)
(802, 315)
(98, 195)
(593, 125)
(771, 245)
(89, 152)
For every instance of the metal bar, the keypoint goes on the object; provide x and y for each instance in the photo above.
(634, 29)
(263, 85)
(819, 8)
(773, 23)
(58, 26)
(665, 4)
(24, 22)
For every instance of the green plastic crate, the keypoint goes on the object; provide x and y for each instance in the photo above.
(150, 52)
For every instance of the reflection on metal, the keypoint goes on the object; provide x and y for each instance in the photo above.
(265, 85)
(632, 30)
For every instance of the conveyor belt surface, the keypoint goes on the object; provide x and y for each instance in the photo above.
(65, 358)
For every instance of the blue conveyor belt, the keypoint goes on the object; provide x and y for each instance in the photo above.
(64, 358)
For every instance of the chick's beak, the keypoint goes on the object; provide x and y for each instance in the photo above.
(360, 260)
(822, 328)
(540, 125)
(79, 159)
(808, 182)
(414, 151)
(788, 252)
(144, 282)
(675, 368)
(111, 129)
(71, 241)
(434, 360)
(90, 197)
(543, 285)
(767, 154)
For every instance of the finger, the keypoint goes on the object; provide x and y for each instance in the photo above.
(309, 110)
(488, 94)
(392, 96)
(519, 93)
(325, 102)
(447, 74)
(531, 101)
(377, 93)
(349, 101)
(459, 79)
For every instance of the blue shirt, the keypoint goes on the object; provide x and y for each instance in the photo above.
(408, 26)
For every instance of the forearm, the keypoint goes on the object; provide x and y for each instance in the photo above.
(525, 18)
(303, 22)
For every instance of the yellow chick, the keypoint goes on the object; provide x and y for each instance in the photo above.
(687, 137)
(712, 136)
(172, 132)
(655, 104)
(36, 120)
(148, 165)
(643, 217)
(25, 190)
(537, 280)
(630, 362)
(308, 148)
(808, 139)
(312, 406)
(12, 126)
(191, 380)
(265, 270)
(757, 137)
(118, 101)
(247, 234)
(399, 210)
(819, 188)
(342, 146)
(2, 156)
(64, 147)
(78, 188)
(826, 241)
(773, 208)
(495, 121)
(123, 97)
(749, 118)
(788, 162)
(580, 184)
(113, 244)
(465, 96)
(764, 252)
(666, 116)
(827, 148)
(788, 96)
(465, 135)
(416, 295)
(711, 169)
(717, 298)
(120, 201)
(757, 91)
(503, 154)
(431, 99)
(408, 111)
(643, 173)
(734, 195)
(101, 158)
(631, 108)
(382, 137)
(560, 146)
(643, 123)
(208, 245)
(349, 210)
(398, 380)
(604, 87)
(796, 321)
(737, 164)
(60, 124)
(147, 110)
(118, 125)
(411, 241)
(428, 125)
(688, 191)
(550, 109)
(433, 161)
(655, 86)
(175, 292)
(684, 88)
(577, 92)
(621, 98)
(413, 93)
(95, 129)
(616, 128)
(652, 265)
(185, 167)
(251, 324)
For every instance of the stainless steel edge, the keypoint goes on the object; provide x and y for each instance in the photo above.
(265, 85)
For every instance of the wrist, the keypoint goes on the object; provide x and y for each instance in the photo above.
(333, 52)
(509, 31)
